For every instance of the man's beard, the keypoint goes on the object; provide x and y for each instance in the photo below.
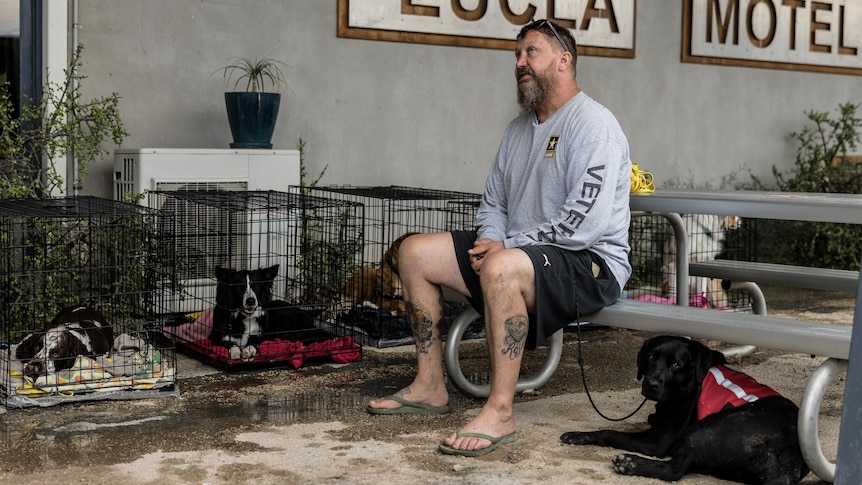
(530, 96)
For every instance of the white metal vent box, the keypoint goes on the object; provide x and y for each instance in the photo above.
(137, 171)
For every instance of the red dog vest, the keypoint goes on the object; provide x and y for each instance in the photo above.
(724, 386)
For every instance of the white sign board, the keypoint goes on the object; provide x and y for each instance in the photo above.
(806, 35)
(600, 27)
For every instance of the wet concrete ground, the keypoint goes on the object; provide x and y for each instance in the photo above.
(309, 425)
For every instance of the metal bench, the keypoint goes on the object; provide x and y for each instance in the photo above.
(822, 339)
(832, 341)
(777, 333)
(777, 274)
(806, 337)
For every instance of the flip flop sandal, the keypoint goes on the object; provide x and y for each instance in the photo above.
(409, 407)
(495, 443)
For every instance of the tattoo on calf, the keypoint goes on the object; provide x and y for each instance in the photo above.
(421, 324)
(516, 336)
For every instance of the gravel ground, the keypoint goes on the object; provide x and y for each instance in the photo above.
(310, 426)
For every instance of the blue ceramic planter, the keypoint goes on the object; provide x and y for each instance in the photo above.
(252, 118)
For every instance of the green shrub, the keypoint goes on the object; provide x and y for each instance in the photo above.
(821, 167)
(53, 261)
(57, 124)
(327, 254)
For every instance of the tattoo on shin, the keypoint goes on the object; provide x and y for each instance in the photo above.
(516, 336)
(421, 324)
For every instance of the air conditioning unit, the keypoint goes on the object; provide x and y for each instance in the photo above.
(137, 171)
(162, 170)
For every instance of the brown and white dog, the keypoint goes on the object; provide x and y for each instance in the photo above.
(75, 331)
(706, 234)
(378, 284)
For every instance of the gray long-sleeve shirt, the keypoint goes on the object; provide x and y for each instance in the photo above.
(564, 182)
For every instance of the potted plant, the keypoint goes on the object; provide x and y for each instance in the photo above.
(252, 113)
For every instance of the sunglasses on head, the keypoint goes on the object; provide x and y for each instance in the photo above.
(538, 24)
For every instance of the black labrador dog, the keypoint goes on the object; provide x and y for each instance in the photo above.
(708, 419)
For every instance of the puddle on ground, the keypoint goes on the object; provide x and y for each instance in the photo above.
(277, 411)
(85, 436)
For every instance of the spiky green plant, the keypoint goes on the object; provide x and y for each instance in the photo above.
(258, 74)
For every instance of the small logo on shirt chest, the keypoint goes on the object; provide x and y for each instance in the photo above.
(551, 150)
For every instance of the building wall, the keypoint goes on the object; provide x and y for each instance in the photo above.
(387, 113)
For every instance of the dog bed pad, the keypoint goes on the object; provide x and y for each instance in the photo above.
(132, 365)
(196, 337)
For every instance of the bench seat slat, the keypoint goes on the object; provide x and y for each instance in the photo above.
(777, 274)
(821, 339)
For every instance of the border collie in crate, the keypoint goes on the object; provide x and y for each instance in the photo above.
(75, 331)
(245, 313)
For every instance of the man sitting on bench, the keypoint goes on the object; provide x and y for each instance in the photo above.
(552, 240)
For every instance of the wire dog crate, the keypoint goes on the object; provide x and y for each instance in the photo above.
(374, 290)
(310, 245)
(71, 252)
(710, 236)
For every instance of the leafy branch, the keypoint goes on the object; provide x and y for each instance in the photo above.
(822, 166)
(304, 184)
(60, 123)
(826, 140)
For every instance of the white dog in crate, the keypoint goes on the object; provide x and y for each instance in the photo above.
(706, 234)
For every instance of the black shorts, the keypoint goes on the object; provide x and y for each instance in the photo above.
(560, 275)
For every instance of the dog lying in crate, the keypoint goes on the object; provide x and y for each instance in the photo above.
(378, 284)
(706, 236)
(75, 331)
(709, 418)
(246, 314)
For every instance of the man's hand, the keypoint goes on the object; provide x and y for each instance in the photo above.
(482, 248)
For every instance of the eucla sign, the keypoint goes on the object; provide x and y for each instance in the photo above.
(600, 27)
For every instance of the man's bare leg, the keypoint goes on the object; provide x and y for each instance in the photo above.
(426, 261)
(508, 287)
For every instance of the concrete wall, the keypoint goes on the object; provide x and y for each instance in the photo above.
(383, 113)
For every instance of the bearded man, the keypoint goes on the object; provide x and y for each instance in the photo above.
(551, 240)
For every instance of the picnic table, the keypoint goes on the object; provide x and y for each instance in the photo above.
(842, 345)
(796, 206)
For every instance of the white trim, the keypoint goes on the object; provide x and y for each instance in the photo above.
(730, 386)
(55, 59)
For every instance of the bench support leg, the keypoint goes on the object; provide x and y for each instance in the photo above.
(758, 307)
(456, 375)
(809, 411)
